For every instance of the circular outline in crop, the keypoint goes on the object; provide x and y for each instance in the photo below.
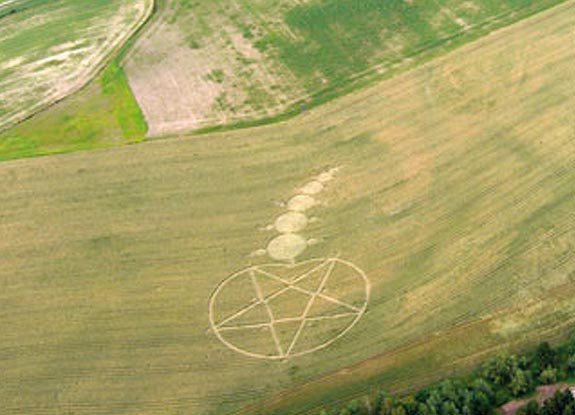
(282, 355)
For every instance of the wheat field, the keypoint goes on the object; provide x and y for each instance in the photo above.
(454, 196)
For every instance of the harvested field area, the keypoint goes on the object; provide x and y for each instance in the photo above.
(50, 49)
(206, 63)
(454, 196)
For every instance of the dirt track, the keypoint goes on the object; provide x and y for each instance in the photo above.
(542, 393)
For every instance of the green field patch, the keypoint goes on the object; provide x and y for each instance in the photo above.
(104, 114)
(11, 145)
(126, 110)
(338, 39)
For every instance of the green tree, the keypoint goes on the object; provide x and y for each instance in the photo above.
(481, 385)
(410, 405)
(557, 404)
(480, 403)
(571, 364)
(569, 345)
(548, 375)
(449, 408)
(545, 356)
(569, 409)
(377, 404)
(500, 370)
(422, 409)
(532, 408)
(502, 396)
(355, 407)
(521, 382)
(387, 406)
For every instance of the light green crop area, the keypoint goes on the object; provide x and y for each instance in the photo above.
(49, 49)
(103, 114)
(455, 197)
(336, 40)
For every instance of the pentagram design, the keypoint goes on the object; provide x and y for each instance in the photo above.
(278, 311)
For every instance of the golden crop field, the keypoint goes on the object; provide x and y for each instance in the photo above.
(453, 194)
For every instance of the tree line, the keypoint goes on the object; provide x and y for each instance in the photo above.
(492, 384)
(561, 403)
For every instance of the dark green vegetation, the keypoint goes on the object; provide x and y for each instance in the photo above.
(494, 383)
(104, 113)
(339, 40)
(561, 403)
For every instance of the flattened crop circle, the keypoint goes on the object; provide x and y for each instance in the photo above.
(312, 188)
(291, 222)
(286, 247)
(301, 203)
(336, 314)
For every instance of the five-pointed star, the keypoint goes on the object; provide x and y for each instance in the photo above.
(323, 271)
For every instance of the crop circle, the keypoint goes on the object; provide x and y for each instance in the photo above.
(291, 222)
(286, 247)
(301, 203)
(312, 188)
(293, 310)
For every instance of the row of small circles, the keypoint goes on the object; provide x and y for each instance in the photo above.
(290, 244)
